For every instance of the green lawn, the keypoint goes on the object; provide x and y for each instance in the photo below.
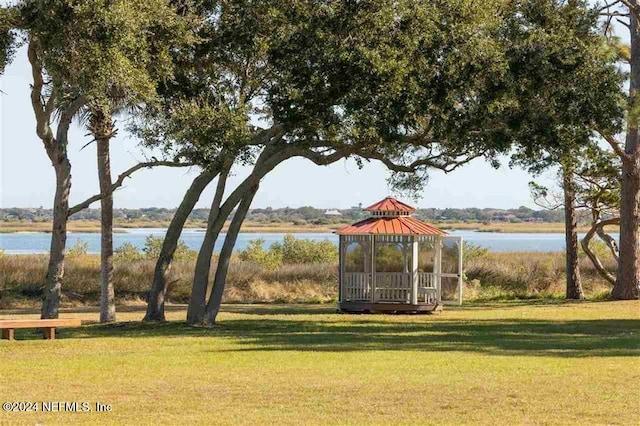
(536, 363)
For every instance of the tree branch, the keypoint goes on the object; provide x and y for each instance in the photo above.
(66, 117)
(617, 148)
(43, 114)
(607, 6)
(118, 183)
(592, 256)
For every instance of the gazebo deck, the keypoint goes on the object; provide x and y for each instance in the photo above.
(389, 307)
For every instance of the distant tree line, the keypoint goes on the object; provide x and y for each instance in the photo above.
(301, 215)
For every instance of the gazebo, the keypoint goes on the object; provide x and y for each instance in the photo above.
(392, 262)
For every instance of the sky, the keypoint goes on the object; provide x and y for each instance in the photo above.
(27, 178)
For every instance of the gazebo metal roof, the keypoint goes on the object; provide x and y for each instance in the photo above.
(400, 224)
(390, 204)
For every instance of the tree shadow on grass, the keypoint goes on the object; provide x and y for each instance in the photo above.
(579, 338)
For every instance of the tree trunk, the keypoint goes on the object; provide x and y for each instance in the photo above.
(196, 309)
(627, 284)
(155, 305)
(55, 269)
(104, 127)
(197, 303)
(213, 306)
(574, 286)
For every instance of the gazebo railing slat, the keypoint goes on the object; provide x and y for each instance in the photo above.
(357, 286)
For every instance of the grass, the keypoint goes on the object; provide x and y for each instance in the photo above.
(507, 363)
(93, 226)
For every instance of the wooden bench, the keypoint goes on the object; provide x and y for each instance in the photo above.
(48, 326)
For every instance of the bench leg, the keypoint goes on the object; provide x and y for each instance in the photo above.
(49, 333)
(7, 333)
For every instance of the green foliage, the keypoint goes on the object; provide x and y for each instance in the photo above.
(8, 35)
(255, 253)
(472, 252)
(105, 49)
(291, 251)
(127, 252)
(153, 246)
(355, 257)
(389, 258)
(597, 176)
(81, 248)
(298, 251)
(567, 81)
(393, 80)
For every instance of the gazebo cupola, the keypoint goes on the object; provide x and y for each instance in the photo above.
(394, 262)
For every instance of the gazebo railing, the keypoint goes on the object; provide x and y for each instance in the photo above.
(393, 287)
(427, 288)
(356, 286)
(389, 287)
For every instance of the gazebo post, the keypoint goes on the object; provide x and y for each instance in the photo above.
(437, 268)
(414, 270)
(341, 260)
(373, 269)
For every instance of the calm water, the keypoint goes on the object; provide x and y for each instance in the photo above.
(39, 242)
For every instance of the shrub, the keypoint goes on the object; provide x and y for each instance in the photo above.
(81, 248)
(127, 253)
(471, 252)
(153, 245)
(255, 253)
(296, 251)
(291, 251)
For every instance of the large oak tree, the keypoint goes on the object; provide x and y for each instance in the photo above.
(416, 86)
(83, 56)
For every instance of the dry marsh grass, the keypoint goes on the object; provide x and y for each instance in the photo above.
(488, 276)
(22, 278)
(524, 275)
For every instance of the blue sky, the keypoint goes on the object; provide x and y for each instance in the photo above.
(27, 178)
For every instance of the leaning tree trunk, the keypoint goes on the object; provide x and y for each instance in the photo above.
(213, 306)
(103, 127)
(196, 309)
(155, 306)
(197, 303)
(597, 227)
(574, 286)
(55, 269)
(627, 284)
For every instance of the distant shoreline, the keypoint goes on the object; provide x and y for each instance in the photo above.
(93, 226)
